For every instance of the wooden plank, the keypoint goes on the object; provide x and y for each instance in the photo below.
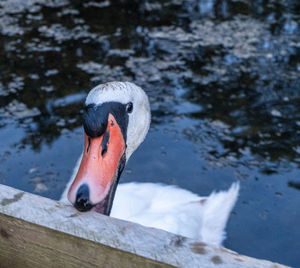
(23, 244)
(39, 232)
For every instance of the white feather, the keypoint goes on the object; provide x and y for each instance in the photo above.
(176, 210)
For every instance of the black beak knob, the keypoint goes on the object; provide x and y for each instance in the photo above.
(82, 202)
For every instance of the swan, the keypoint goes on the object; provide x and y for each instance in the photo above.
(116, 120)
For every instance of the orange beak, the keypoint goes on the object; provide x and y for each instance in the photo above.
(96, 180)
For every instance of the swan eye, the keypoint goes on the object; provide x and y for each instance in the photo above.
(129, 107)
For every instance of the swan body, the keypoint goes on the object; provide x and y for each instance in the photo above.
(154, 205)
(176, 210)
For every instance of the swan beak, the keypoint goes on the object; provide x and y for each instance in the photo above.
(99, 170)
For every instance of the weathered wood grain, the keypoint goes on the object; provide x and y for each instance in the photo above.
(39, 232)
(23, 244)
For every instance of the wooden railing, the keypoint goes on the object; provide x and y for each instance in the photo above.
(39, 232)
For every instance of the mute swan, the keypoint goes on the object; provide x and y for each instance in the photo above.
(116, 121)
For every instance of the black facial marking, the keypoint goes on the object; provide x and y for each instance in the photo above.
(82, 202)
(111, 194)
(122, 164)
(95, 118)
(89, 143)
(94, 121)
(104, 143)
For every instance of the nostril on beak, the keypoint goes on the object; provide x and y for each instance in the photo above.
(82, 202)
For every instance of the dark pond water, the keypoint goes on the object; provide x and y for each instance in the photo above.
(223, 81)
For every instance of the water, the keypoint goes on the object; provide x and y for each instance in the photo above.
(224, 86)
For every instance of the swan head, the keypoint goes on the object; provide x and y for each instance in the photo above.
(116, 121)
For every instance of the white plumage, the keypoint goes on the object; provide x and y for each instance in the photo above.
(155, 205)
(176, 210)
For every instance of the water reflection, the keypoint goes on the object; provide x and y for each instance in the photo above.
(222, 77)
